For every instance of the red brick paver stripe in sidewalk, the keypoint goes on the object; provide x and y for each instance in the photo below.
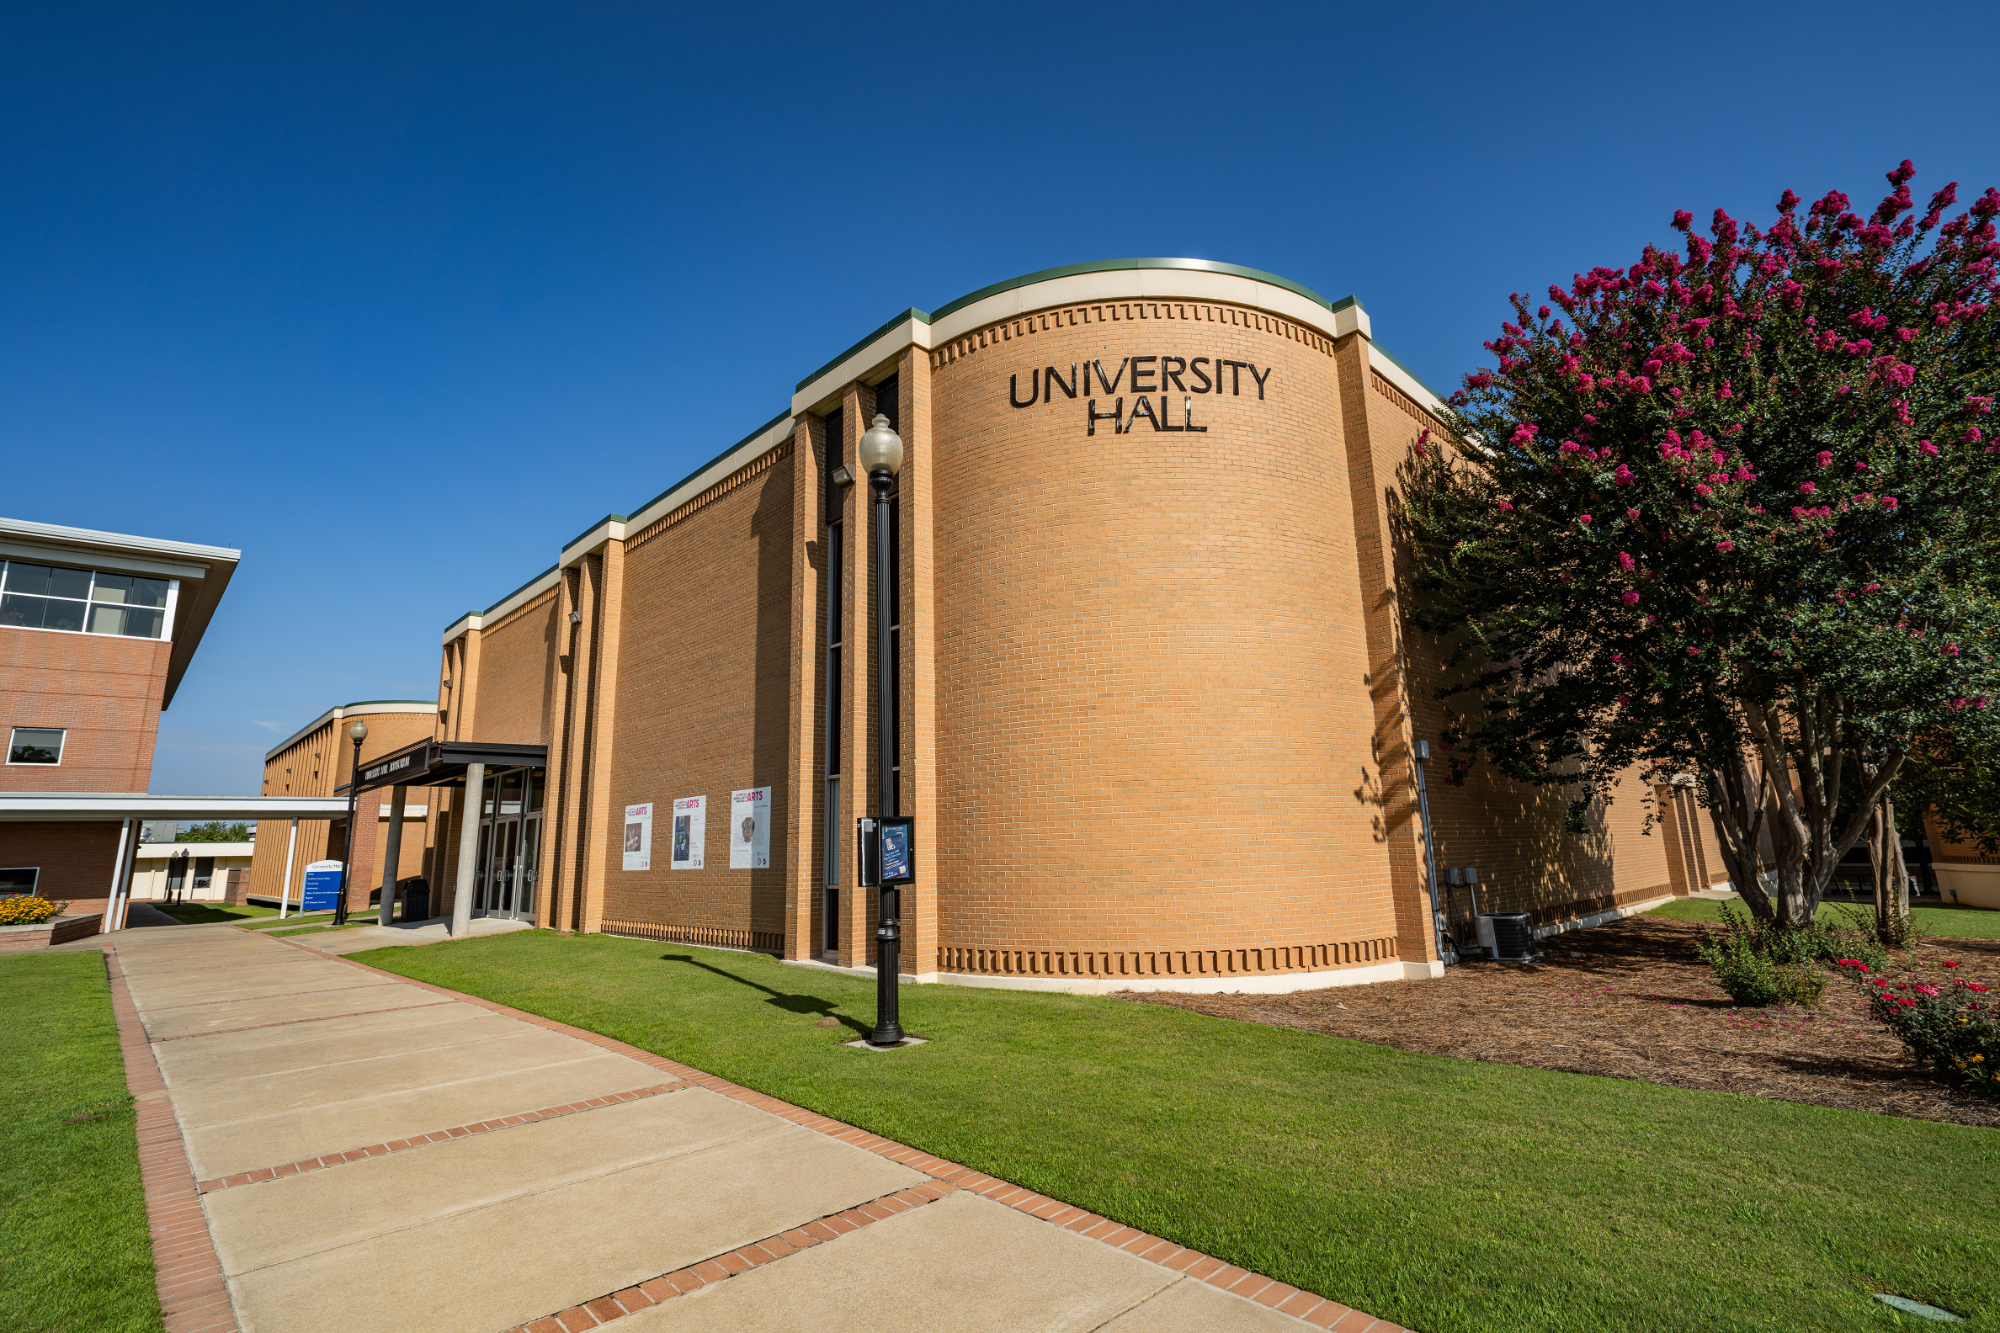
(194, 1297)
(436, 1136)
(721, 1267)
(1304, 1305)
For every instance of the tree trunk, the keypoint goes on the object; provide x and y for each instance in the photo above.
(1891, 877)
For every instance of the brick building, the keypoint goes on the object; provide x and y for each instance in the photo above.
(1156, 711)
(97, 630)
(315, 761)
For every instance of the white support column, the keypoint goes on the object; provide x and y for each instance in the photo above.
(468, 849)
(392, 857)
(117, 877)
(285, 889)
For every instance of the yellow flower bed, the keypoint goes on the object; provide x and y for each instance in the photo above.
(22, 909)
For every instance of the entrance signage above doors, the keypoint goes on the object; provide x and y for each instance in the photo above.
(1169, 376)
(322, 891)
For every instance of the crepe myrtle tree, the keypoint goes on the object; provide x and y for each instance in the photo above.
(1729, 513)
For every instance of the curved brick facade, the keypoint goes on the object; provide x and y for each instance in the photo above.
(1155, 702)
(1150, 725)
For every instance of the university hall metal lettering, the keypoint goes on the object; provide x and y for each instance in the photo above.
(1169, 377)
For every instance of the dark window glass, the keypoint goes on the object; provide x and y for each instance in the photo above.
(894, 722)
(52, 597)
(64, 614)
(18, 879)
(129, 590)
(833, 584)
(16, 609)
(836, 602)
(895, 561)
(833, 712)
(36, 745)
(836, 447)
(885, 402)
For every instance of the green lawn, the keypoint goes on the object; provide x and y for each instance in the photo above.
(75, 1254)
(1958, 923)
(1443, 1194)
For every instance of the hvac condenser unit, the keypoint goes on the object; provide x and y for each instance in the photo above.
(1508, 937)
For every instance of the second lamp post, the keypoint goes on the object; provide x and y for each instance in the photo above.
(356, 733)
(881, 458)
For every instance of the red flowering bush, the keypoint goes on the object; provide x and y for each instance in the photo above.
(1732, 511)
(1953, 1028)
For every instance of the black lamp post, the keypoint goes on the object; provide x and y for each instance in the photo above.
(357, 733)
(880, 455)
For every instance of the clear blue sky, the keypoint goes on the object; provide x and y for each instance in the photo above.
(397, 298)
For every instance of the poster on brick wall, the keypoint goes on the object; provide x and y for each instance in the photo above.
(639, 837)
(690, 832)
(750, 829)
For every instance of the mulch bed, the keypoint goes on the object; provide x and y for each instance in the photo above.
(1633, 1000)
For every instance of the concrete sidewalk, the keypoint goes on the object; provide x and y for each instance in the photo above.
(376, 1154)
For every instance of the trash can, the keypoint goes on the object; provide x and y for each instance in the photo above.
(416, 898)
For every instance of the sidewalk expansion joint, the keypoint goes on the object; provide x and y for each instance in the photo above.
(288, 1022)
(436, 1136)
(722, 1267)
(259, 999)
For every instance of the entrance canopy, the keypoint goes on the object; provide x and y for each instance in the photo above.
(46, 806)
(439, 763)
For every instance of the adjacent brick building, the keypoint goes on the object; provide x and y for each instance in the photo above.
(96, 632)
(315, 761)
(1156, 704)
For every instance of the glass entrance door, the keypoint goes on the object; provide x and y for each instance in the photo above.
(510, 838)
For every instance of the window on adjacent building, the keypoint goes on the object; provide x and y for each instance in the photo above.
(18, 879)
(82, 600)
(35, 745)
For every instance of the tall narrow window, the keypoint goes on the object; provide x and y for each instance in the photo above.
(835, 572)
(886, 395)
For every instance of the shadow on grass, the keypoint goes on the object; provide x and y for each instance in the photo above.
(795, 1004)
(199, 914)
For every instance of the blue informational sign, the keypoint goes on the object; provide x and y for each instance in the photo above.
(898, 851)
(322, 891)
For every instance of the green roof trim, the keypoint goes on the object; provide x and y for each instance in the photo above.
(1071, 270)
(363, 703)
(921, 316)
(703, 468)
(608, 518)
(1121, 265)
(1407, 371)
(524, 587)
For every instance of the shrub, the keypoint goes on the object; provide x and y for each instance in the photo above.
(25, 909)
(1952, 1028)
(1739, 967)
(1800, 983)
(1760, 963)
